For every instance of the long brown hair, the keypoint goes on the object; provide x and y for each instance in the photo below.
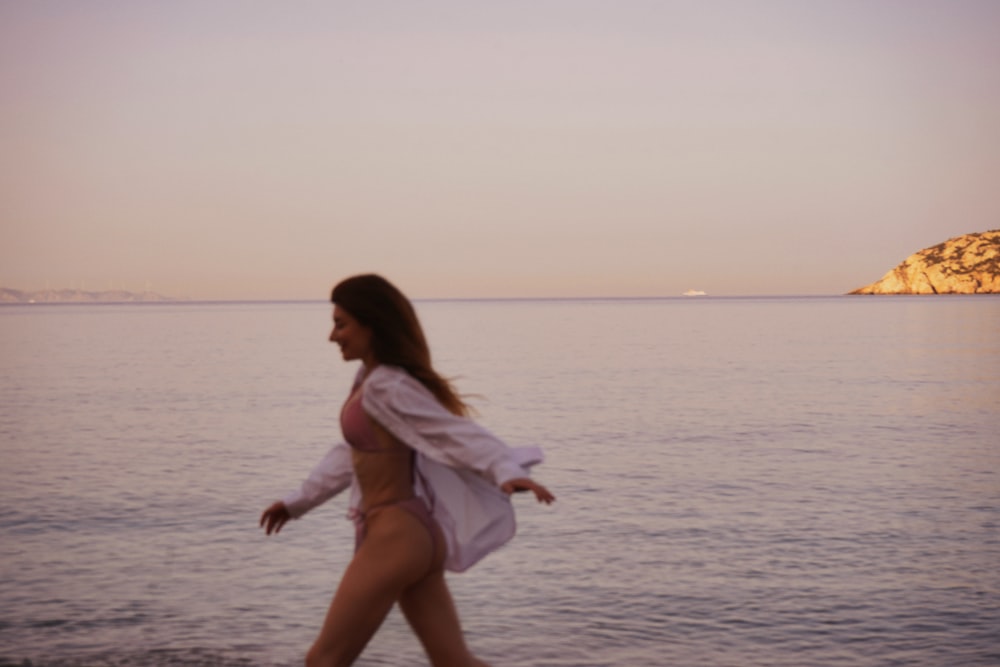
(397, 337)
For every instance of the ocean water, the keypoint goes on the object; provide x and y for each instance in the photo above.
(741, 482)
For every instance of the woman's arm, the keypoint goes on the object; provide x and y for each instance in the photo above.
(404, 407)
(274, 517)
(329, 477)
(541, 493)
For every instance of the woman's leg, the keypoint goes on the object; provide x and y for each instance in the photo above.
(396, 552)
(431, 613)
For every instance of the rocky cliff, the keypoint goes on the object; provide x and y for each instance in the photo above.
(968, 264)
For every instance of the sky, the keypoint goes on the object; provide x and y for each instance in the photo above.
(544, 148)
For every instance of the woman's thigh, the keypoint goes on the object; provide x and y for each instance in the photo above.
(396, 552)
(430, 611)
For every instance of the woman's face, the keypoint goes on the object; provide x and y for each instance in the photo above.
(354, 339)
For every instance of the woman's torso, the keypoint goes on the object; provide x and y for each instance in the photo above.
(383, 465)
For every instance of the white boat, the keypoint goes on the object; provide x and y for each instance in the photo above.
(694, 292)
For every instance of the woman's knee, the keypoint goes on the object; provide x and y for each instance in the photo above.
(313, 658)
(317, 657)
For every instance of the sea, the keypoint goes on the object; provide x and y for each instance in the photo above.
(740, 482)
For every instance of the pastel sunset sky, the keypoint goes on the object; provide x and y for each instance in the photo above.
(264, 150)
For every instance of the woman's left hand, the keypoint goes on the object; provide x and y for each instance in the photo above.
(526, 484)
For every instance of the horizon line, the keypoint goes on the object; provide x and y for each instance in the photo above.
(165, 301)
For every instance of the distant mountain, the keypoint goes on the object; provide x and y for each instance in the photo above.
(8, 295)
(968, 264)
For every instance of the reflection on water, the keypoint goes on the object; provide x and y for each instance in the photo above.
(741, 482)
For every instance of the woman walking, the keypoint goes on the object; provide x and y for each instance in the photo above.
(429, 487)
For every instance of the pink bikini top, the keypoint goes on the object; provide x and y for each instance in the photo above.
(357, 427)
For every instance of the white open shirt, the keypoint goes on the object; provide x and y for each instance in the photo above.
(459, 467)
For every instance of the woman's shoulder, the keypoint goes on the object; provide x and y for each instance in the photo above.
(384, 373)
(390, 389)
(386, 378)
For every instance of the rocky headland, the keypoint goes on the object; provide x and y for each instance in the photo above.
(8, 295)
(967, 264)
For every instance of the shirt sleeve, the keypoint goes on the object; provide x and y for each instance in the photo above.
(331, 475)
(411, 413)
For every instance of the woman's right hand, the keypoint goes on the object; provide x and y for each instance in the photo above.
(274, 517)
(527, 484)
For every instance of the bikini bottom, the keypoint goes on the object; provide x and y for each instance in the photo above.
(415, 506)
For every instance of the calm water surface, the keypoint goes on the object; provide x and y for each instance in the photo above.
(772, 482)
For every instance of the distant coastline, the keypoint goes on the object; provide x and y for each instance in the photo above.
(8, 295)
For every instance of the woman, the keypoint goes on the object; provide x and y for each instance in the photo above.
(429, 487)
